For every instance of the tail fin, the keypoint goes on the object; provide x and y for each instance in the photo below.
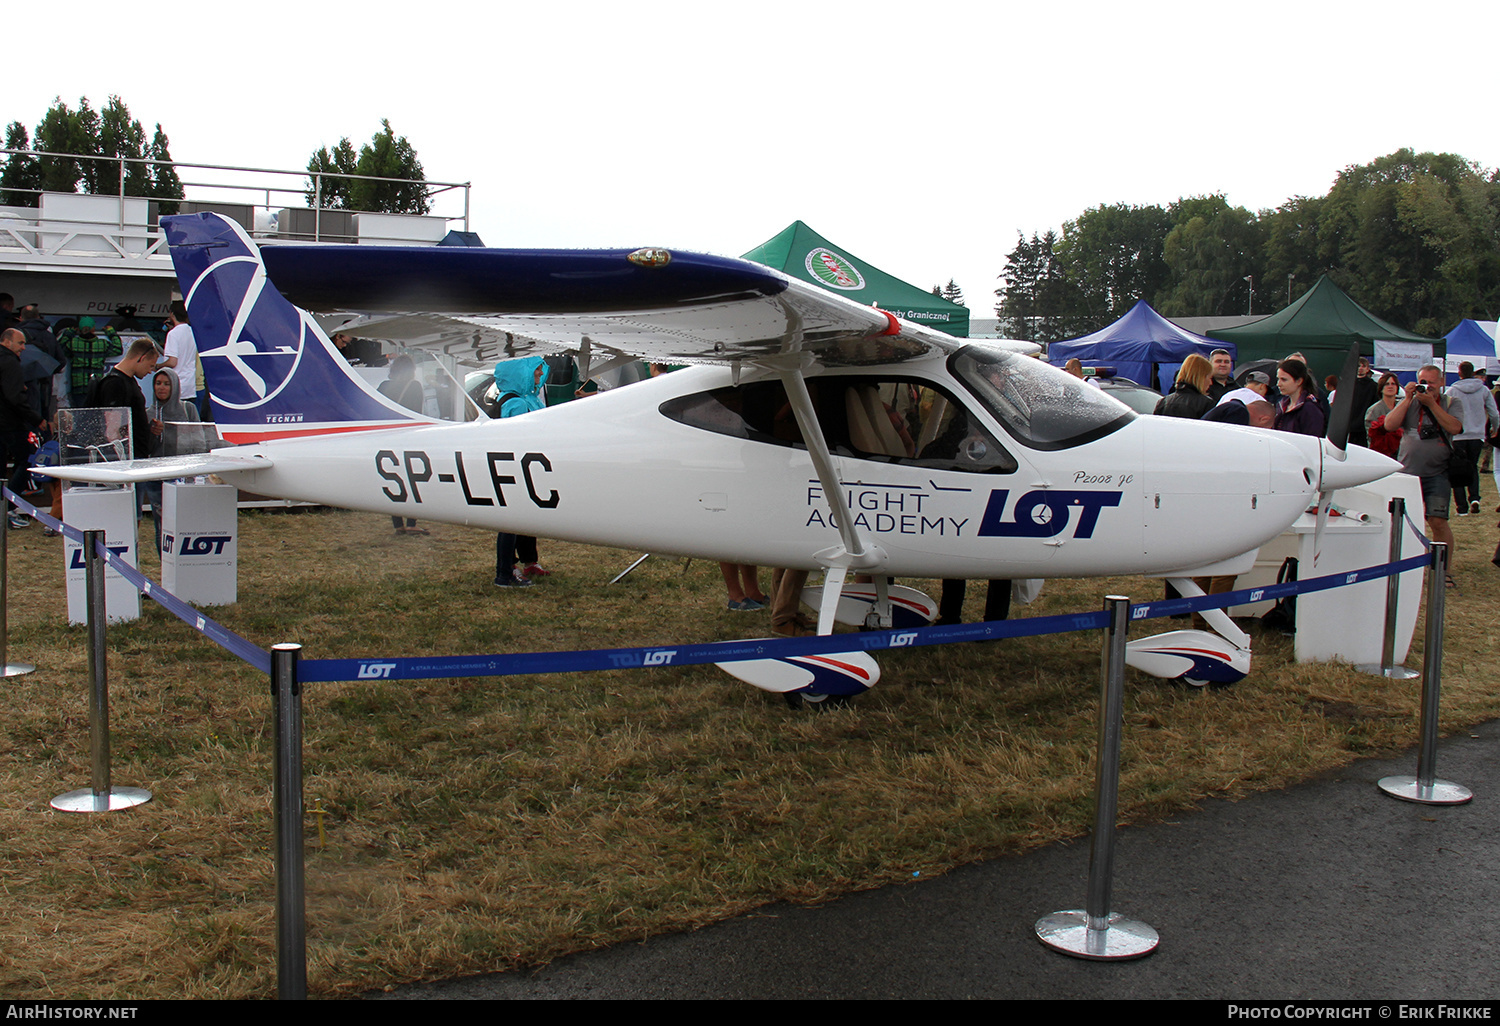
(272, 372)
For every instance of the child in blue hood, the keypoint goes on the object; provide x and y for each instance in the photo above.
(520, 383)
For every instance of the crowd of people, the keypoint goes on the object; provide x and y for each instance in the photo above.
(47, 368)
(1441, 435)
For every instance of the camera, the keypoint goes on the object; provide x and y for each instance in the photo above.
(1421, 386)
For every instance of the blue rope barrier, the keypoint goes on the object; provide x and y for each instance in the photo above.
(507, 665)
(1421, 534)
(593, 660)
(216, 632)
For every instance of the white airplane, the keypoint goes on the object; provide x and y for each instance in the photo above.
(822, 434)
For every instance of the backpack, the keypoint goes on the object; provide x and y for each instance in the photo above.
(1283, 616)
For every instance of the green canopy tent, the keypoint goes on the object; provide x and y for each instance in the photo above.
(1321, 325)
(800, 252)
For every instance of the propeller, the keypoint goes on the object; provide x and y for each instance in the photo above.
(1335, 445)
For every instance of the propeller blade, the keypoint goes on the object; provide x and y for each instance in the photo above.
(1325, 499)
(1343, 403)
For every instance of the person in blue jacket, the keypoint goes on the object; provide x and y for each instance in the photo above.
(520, 384)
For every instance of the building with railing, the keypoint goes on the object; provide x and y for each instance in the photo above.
(77, 254)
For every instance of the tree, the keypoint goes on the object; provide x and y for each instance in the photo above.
(952, 293)
(1037, 300)
(122, 136)
(1412, 236)
(389, 156)
(60, 131)
(1212, 250)
(76, 136)
(332, 189)
(1113, 257)
(385, 156)
(165, 185)
(1292, 248)
(22, 172)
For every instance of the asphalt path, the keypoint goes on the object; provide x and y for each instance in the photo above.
(1330, 890)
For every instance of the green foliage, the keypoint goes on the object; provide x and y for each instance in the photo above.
(1292, 250)
(330, 189)
(121, 136)
(1038, 300)
(1113, 255)
(22, 172)
(61, 131)
(84, 133)
(385, 156)
(1413, 237)
(1212, 250)
(952, 293)
(165, 185)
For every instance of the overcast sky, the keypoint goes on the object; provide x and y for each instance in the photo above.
(922, 137)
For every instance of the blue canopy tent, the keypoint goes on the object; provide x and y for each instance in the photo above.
(1473, 341)
(1143, 346)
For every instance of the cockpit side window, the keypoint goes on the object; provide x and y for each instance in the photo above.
(1040, 406)
(905, 421)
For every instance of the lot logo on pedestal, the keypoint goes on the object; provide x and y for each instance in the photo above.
(833, 270)
(79, 563)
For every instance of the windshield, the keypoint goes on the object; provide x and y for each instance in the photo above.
(1041, 406)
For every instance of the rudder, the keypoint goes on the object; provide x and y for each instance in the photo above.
(272, 372)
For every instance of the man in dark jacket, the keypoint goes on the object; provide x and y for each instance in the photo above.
(118, 388)
(1366, 392)
(17, 418)
(1222, 383)
(39, 337)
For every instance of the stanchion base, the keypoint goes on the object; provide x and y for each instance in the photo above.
(1442, 792)
(84, 799)
(1069, 933)
(1393, 673)
(16, 669)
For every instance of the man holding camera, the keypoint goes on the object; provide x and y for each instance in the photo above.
(1427, 422)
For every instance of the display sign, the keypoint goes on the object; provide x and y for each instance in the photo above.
(111, 510)
(200, 543)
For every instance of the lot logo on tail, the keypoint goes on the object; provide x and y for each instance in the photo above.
(265, 361)
(833, 270)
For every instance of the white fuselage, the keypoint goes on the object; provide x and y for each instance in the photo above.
(1157, 496)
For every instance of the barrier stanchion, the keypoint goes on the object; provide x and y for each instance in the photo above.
(1095, 932)
(1425, 788)
(291, 897)
(1387, 666)
(100, 796)
(8, 668)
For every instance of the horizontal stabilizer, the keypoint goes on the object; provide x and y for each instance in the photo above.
(166, 468)
(836, 673)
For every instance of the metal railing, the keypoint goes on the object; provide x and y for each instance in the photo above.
(253, 196)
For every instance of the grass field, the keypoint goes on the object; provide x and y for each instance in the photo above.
(487, 824)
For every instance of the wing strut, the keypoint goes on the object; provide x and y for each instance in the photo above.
(854, 552)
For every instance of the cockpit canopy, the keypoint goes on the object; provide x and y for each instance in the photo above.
(1039, 406)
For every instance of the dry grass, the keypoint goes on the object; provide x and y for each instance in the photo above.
(485, 824)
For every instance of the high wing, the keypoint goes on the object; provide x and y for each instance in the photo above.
(483, 305)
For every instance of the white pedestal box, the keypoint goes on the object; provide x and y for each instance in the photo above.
(200, 543)
(111, 510)
(1347, 624)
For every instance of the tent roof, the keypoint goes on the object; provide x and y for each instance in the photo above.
(1325, 318)
(1473, 341)
(802, 253)
(1472, 338)
(1141, 336)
